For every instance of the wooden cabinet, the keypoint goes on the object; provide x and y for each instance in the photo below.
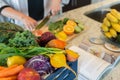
(75, 4)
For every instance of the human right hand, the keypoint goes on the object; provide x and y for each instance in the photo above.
(29, 23)
(55, 6)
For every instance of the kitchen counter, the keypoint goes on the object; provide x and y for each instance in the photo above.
(92, 27)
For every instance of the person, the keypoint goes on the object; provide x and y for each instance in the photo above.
(27, 13)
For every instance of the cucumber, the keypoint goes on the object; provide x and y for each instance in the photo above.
(81, 26)
(77, 29)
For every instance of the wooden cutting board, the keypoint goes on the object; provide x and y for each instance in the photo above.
(70, 37)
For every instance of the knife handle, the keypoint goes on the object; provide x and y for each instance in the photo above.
(50, 13)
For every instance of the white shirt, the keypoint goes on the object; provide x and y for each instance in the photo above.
(18, 5)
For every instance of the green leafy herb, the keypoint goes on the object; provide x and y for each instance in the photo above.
(24, 39)
(58, 25)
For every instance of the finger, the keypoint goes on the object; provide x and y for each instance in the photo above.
(32, 23)
(33, 26)
(52, 12)
(55, 11)
(28, 26)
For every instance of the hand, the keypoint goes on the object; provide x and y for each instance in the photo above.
(29, 23)
(55, 6)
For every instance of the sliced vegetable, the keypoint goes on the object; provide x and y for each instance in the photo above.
(37, 32)
(61, 36)
(80, 25)
(77, 29)
(68, 29)
(71, 22)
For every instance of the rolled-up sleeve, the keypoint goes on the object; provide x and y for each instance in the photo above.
(65, 2)
(3, 4)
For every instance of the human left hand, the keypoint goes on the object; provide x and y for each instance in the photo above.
(55, 6)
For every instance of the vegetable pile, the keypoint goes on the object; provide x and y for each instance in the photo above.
(22, 52)
(29, 52)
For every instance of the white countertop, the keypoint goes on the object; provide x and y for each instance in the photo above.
(92, 27)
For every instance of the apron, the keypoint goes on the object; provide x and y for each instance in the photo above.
(22, 6)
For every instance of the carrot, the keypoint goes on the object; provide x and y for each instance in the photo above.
(9, 78)
(1, 68)
(6, 69)
(11, 71)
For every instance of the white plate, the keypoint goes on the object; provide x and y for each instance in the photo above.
(96, 40)
(112, 47)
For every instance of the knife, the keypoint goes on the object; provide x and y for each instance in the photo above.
(44, 21)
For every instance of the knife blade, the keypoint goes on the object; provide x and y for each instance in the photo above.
(44, 21)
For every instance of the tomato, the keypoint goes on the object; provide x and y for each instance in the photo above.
(37, 33)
